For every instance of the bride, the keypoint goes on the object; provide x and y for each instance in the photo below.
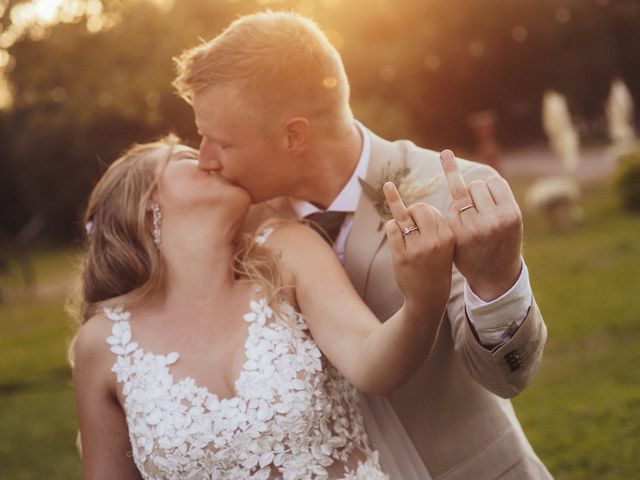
(205, 354)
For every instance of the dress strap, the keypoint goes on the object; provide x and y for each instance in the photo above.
(120, 338)
(117, 314)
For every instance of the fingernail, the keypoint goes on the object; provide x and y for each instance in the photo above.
(446, 154)
(388, 186)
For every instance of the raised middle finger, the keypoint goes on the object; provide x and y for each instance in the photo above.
(457, 185)
(397, 207)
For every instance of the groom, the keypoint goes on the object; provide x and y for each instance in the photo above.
(271, 102)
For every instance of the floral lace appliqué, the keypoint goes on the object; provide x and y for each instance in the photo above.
(293, 417)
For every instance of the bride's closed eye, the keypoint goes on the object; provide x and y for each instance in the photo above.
(187, 155)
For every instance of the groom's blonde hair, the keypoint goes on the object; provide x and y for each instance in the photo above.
(281, 59)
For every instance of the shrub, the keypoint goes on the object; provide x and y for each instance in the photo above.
(627, 180)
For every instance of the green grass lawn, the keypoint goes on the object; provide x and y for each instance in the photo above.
(582, 413)
(37, 411)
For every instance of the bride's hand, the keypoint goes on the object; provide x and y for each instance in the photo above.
(374, 356)
(422, 247)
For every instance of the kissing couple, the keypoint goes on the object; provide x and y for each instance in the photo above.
(300, 298)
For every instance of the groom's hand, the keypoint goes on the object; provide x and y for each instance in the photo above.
(487, 224)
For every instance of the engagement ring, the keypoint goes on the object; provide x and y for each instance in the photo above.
(407, 230)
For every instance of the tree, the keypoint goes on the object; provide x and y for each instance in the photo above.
(87, 88)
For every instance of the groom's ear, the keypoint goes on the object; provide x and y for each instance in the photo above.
(296, 135)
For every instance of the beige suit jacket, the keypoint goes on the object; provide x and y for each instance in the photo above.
(455, 409)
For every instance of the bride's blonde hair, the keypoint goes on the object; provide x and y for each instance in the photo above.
(121, 262)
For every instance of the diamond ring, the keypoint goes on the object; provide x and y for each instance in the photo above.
(407, 230)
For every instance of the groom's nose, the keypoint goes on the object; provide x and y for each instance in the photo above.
(207, 159)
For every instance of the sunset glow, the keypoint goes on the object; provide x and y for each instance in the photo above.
(34, 18)
(39, 11)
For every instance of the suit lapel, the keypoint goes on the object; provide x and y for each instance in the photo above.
(366, 238)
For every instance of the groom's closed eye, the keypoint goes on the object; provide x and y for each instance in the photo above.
(215, 141)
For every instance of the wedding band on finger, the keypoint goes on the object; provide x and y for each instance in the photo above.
(471, 205)
(407, 230)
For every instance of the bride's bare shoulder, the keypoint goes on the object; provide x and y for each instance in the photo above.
(300, 250)
(294, 236)
(90, 347)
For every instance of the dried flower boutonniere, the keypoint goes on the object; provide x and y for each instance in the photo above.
(409, 183)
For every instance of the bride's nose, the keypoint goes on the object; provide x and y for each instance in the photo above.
(209, 165)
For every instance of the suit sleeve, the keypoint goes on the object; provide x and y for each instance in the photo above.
(508, 369)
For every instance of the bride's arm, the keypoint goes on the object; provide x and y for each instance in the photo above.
(375, 357)
(106, 449)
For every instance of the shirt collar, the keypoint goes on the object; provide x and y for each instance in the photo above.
(347, 199)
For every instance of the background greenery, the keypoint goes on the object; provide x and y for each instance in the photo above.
(100, 79)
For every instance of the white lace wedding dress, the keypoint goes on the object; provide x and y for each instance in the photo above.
(294, 416)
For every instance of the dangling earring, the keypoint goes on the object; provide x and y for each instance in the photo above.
(157, 220)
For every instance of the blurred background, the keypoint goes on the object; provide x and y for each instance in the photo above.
(543, 90)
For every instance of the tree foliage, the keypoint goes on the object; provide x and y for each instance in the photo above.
(418, 68)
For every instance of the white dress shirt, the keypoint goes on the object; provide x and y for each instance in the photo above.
(493, 321)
